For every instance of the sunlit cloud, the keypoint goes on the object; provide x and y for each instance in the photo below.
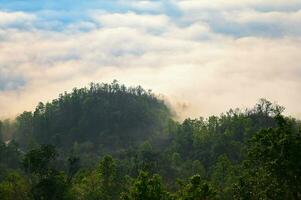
(209, 58)
(7, 18)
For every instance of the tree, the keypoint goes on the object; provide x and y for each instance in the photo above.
(10, 155)
(196, 189)
(24, 134)
(110, 116)
(86, 186)
(73, 166)
(146, 159)
(147, 187)
(46, 181)
(198, 168)
(40, 161)
(136, 128)
(1, 135)
(274, 159)
(223, 176)
(109, 183)
(14, 187)
(102, 183)
(257, 183)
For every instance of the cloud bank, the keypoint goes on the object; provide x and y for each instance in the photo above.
(203, 56)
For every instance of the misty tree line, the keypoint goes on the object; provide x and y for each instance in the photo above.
(109, 141)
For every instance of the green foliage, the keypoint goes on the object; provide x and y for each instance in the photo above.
(40, 161)
(86, 186)
(196, 189)
(47, 182)
(147, 159)
(24, 133)
(15, 187)
(1, 130)
(147, 187)
(223, 176)
(198, 168)
(64, 145)
(110, 116)
(73, 167)
(274, 159)
(103, 183)
(9, 155)
(258, 184)
(109, 183)
(54, 186)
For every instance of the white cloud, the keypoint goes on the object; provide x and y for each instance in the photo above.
(190, 64)
(7, 18)
(142, 5)
(247, 16)
(194, 5)
(131, 20)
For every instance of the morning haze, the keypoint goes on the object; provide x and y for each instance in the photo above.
(141, 99)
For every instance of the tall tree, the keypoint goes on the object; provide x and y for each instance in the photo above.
(147, 187)
(196, 189)
(274, 160)
(46, 181)
(109, 183)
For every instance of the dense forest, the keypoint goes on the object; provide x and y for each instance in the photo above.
(109, 141)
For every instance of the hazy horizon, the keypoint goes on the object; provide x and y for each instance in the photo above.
(204, 57)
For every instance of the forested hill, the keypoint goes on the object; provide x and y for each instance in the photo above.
(109, 141)
(108, 115)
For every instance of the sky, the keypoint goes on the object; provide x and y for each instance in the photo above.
(202, 56)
